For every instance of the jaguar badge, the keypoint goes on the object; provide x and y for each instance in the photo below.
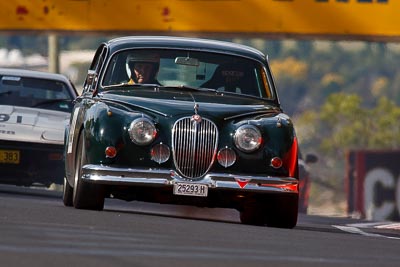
(196, 118)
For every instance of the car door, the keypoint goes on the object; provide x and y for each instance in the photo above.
(82, 103)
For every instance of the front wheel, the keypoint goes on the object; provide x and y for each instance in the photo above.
(253, 213)
(85, 195)
(284, 211)
(68, 192)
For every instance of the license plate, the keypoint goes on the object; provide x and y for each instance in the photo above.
(9, 156)
(189, 189)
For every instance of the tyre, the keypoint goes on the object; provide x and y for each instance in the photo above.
(68, 192)
(283, 211)
(253, 214)
(85, 195)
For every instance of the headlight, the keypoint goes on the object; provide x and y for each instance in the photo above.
(142, 131)
(248, 138)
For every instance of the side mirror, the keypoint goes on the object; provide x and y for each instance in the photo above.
(91, 77)
(311, 158)
(90, 81)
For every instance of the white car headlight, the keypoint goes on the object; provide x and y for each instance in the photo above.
(247, 138)
(142, 131)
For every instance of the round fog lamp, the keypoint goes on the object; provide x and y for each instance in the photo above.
(226, 157)
(160, 153)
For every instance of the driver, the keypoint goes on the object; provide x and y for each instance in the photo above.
(143, 68)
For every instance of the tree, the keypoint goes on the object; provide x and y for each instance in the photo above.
(341, 123)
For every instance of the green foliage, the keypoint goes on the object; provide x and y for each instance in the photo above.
(341, 123)
(384, 125)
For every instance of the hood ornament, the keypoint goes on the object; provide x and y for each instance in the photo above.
(196, 117)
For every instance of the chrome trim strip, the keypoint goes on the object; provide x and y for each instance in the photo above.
(162, 177)
(269, 111)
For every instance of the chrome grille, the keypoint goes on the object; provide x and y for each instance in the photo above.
(194, 146)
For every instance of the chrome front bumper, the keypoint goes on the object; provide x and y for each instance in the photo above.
(102, 174)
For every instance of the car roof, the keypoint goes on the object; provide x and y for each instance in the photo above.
(188, 43)
(34, 74)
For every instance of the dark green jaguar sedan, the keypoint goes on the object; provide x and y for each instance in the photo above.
(182, 121)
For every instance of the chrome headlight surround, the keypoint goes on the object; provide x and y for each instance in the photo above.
(142, 131)
(248, 138)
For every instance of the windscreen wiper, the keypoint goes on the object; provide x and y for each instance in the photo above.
(135, 85)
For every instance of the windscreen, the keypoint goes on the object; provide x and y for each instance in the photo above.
(197, 69)
(35, 93)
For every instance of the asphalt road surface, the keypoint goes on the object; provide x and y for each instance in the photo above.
(37, 230)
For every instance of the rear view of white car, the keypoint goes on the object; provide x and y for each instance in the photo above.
(34, 111)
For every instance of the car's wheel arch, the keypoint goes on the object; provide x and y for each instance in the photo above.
(71, 159)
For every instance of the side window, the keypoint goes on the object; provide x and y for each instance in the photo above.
(94, 70)
(116, 72)
(267, 83)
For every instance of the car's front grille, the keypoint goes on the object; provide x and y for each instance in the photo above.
(194, 146)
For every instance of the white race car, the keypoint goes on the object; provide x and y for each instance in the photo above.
(34, 111)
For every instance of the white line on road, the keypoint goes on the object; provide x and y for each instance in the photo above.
(355, 230)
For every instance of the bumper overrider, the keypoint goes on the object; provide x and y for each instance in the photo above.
(106, 175)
